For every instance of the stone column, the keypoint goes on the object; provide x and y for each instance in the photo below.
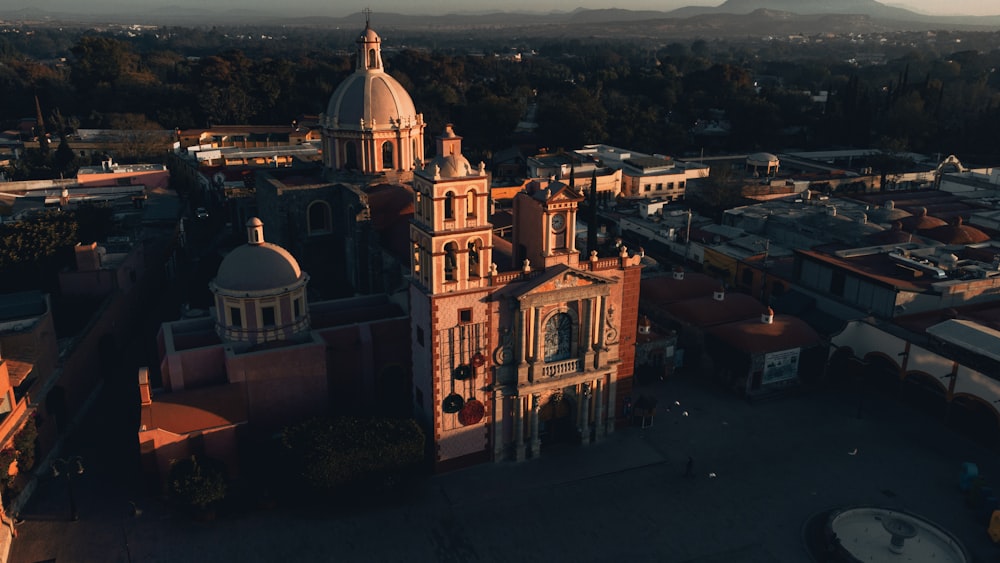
(598, 410)
(571, 232)
(523, 342)
(519, 428)
(602, 358)
(536, 440)
(522, 348)
(588, 322)
(584, 414)
(536, 342)
(499, 414)
(609, 424)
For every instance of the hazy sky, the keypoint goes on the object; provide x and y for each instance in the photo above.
(328, 8)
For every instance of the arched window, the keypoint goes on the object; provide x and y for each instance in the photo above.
(449, 206)
(450, 261)
(470, 203)
(318, 217)
(416, 155)
(371, 58)
(351, 156)
(387, 160)
(474, 258)
(558, 337)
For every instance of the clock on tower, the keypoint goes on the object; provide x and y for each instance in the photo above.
(558, 222)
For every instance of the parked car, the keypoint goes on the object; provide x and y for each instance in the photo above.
(201, 213)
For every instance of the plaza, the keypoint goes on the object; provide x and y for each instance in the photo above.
(775, 465)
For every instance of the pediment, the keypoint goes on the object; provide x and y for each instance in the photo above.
(563, 279)
(564, 194)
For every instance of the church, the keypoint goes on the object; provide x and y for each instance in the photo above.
(515, 341)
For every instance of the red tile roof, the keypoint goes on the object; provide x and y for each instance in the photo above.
(664, 290)
(184, 412)
(753, 336)
(708, 311)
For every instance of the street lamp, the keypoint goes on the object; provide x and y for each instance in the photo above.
(69, 467)
(132, 513)
(687, 237)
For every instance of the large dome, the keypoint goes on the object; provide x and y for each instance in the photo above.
(370, 95)
(258, 266)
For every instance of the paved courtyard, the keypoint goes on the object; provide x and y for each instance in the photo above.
(625, 499)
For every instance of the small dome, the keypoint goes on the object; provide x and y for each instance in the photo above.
(257, 265)
(957, 233)
(452, 166)
(449, 162)
(888, 213)
(895, 235)
(921, 222)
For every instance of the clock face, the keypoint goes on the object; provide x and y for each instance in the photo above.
(558, 222)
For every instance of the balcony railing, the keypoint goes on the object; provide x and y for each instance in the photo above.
(561, 368)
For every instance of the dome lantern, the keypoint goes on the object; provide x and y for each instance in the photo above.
(255, 231)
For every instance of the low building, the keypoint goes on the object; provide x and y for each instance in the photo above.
(645, 176)
(766, 356)
(101, 269)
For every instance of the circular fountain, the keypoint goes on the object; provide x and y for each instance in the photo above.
(872, 533)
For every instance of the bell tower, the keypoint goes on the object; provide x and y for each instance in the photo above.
(451, 234)
(450, 310)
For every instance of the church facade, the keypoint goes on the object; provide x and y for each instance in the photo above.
(508, 361)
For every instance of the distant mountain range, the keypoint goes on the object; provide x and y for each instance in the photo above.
(732, 18)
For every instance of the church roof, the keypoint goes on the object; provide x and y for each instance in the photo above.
(257, 266)
(369, 98)
(183, 412)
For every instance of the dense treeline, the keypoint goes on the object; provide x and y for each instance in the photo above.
(673, 98)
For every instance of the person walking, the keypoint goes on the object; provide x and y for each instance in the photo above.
(689, 467)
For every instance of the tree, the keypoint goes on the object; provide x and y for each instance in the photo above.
(64, 160)
(571, 118)
(100, 61)
(337, 455)
(197, 482)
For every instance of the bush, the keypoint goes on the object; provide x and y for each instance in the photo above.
(197, 483)
(24, 443)
(373, 455)
(7, 457)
